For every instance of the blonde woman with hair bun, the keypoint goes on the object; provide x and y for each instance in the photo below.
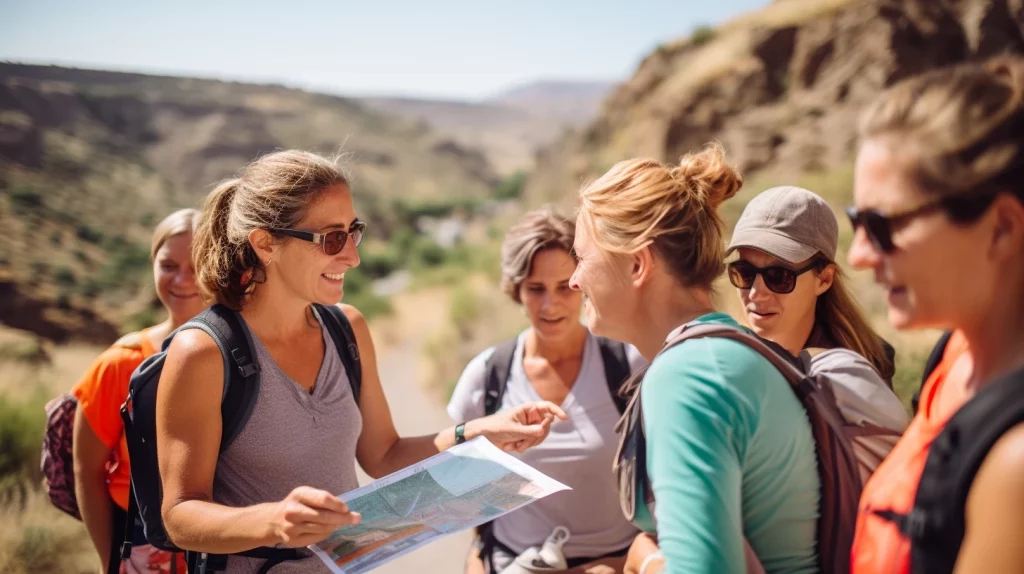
(729, 450)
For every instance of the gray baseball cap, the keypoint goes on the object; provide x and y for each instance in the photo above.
(789, 223)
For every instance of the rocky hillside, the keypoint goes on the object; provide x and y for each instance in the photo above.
(90, 160)
(781, 88)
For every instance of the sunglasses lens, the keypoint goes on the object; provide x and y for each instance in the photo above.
(742, 276)
(878, 230)
(779, 279)
(334, 242)
(357, 233)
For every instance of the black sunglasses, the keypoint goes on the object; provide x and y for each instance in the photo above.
(332, 242)
(777, 278)
(959, 208)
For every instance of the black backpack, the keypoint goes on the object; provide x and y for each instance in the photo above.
(933, 361)
(241, 388)
(499, 367)
(935, 524)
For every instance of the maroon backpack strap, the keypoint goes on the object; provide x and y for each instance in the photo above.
(719, 330)
(837, 463)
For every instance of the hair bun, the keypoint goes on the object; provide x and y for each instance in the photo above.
(708, 172)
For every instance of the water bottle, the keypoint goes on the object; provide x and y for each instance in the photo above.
(549, 558)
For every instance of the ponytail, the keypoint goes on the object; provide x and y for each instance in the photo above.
(275, 190)
(226, 267)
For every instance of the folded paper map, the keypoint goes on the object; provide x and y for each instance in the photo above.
(460, 488)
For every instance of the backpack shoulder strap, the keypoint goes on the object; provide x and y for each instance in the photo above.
(344, 338)
(936, 523)
(241, 368)
(780, 362)
(616, 369)
(498, 368)
(929, 367)
(936, 356)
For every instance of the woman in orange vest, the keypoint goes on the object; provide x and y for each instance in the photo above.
(100, 451)
(939, 218)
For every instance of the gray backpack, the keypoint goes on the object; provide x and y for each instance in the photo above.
(835, 434)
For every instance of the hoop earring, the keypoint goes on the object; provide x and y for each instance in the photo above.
(269, 261)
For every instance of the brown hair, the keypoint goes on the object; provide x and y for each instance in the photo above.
(963, 127)
(838, 313)
(643, 202)
(536, 231)
(178, 223)
(275, 190)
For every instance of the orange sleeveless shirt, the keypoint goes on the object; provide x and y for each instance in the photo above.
(100, 393)
(878, 546)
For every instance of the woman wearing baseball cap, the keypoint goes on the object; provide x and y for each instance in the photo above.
(792, 291)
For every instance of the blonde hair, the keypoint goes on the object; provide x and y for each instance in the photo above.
(275, 190)
(642, 202)
(963, 127)
(537, 231)
(838, 313)
(180, 222)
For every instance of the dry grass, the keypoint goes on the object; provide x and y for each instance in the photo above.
(39, 538)
(783, 13)
(43, 539)
(20, 380)
(474, 316)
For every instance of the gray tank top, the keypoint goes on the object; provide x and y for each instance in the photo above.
(293, 438)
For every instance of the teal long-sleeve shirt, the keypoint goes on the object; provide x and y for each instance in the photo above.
(730, 454)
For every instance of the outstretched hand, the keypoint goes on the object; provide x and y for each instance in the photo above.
(520, 428)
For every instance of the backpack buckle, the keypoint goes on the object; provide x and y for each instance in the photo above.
(915, 523)
(245, 366)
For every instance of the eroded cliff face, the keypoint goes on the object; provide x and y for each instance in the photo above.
(782, 88)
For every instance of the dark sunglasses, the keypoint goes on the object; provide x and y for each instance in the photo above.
(777, 278)
(959, 208)
(332, 242)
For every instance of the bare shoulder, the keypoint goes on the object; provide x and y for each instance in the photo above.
(355, 317)
(193, 345)
(193, 361)
(1003, 469)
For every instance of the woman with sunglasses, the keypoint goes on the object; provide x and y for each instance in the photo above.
(792, 291)
(729, 449)
(939, 189)
(272, 242)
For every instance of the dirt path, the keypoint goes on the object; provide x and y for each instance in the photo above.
(416, 411)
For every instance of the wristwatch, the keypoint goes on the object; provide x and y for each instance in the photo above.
(460, 433)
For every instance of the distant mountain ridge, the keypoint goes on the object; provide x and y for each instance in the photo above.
(510, 127)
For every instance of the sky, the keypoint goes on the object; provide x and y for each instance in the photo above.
(445, 49)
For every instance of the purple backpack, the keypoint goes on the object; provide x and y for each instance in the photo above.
(57, 461)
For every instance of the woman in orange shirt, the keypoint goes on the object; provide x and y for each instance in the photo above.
(100, 453)
(940, 220)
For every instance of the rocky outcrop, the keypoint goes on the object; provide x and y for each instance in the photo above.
(782, 89)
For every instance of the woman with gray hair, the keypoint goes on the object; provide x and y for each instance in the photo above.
(555, 359)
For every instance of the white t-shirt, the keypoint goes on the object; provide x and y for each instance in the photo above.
(578, 452)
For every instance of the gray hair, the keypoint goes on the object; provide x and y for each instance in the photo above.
(537, 231)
